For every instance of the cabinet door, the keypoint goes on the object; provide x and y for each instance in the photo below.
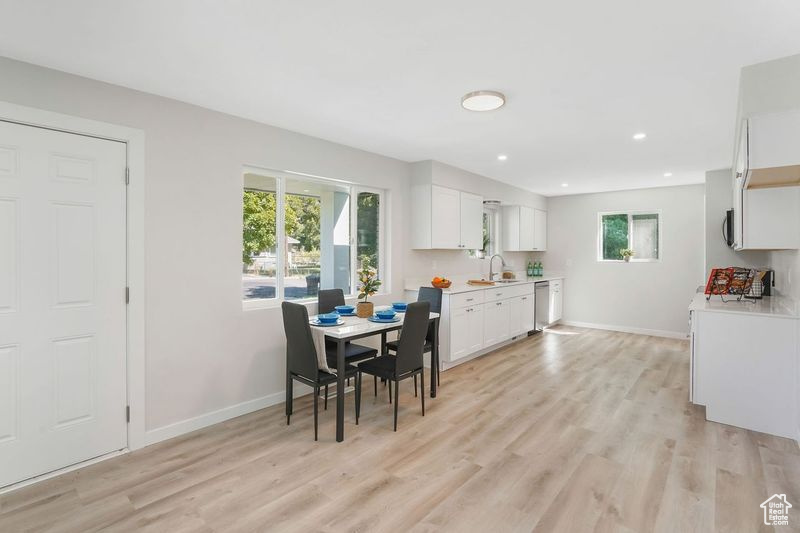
(459, 333)
(526, 229)
(475, 333)
(539, 230)
(471, 209)
(528, 321)
(445, 225)
(496, 328)
(514, 316)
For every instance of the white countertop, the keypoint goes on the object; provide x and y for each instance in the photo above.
(460, 286)
(773, 306)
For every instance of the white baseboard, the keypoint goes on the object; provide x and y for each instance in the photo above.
(626, 329)
(214, 417)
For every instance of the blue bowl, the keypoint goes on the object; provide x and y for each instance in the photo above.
(328, 318)
(385, 314)
(400, 306)
(345, 309)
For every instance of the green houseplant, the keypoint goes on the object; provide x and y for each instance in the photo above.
(626, 254)
(370, 283)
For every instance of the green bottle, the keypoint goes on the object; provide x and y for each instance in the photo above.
(541, 269)
(530, 269)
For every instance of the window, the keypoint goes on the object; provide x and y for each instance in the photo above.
(637, 231)
(301, 234)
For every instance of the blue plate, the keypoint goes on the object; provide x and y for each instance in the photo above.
(384, 320)
(347, 314)
(399, 307)
(315, 322)
(345, 309)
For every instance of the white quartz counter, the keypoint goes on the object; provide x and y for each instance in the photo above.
(773, 306)
(460, 286)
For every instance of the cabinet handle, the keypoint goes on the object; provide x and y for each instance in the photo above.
(499, 303)
(470, 299)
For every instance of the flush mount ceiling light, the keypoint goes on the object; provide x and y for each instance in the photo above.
(502, 157)
(483, 100)
(639, 136)
(667, 174)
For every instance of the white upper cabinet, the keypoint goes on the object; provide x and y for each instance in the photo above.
(445, 223)
(524, 229)
(471, 221)
(766, 194)
(445, 218)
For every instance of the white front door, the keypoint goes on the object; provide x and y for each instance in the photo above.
(62, 300)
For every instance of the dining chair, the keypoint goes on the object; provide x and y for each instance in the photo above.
(408, 361)
(434, 296)
(301, 361)
(327, 300)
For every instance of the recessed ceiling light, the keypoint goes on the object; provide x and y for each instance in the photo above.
(667, 174)
(639, 136)
(502, 157)
(305, 190)
(565, 184)
(483, 100)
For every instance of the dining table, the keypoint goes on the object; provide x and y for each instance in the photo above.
(352, 328)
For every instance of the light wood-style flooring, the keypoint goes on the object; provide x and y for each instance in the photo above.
(572, 430)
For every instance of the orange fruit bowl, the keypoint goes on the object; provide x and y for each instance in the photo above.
(441, 284)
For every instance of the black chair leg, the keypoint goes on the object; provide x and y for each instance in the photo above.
(289, 394)
(396, 401)
(390, 391)
(422, 387)
(375, 378)
(326, 397)
(316, 410)
(358, 396)
(415, 385)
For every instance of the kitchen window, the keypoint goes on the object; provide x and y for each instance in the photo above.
(639, 231)
(302, 234)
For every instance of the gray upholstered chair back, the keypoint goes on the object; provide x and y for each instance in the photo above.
(328, 299)
(412, 339)
(301, 355)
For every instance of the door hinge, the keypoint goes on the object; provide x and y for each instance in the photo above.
(127, 413)
(127, 176)
(127, 295)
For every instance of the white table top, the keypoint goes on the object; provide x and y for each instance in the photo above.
(354, 325)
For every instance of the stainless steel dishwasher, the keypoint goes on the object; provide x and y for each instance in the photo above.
(542, 315)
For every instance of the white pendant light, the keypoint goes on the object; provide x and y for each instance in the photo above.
(483, 100)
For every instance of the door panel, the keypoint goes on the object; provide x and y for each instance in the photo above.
(62, 300)
(445, 207)
(471, 221)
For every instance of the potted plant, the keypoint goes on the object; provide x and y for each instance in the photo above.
(626, 254)
(369, 286)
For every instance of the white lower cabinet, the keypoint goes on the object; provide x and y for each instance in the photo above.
(466, 331)
(476, 321)
(495, 322)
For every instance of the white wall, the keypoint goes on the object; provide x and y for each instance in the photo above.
(645, 297)
(203, 352)
(719, 198)
(425, 264)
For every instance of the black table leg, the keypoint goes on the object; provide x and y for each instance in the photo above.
(435, 357)
(339, 390)
(383, 343)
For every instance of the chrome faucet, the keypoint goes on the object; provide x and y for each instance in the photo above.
(502, 264)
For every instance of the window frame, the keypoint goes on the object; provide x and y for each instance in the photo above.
(629, 214)
(280, 177)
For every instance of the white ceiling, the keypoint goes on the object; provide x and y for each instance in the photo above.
(580, 77)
